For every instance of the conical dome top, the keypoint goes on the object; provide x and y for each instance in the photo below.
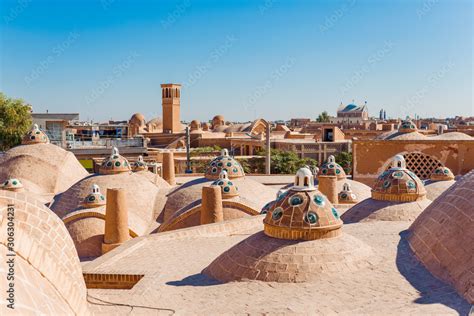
(407, 126)
(442, 174)
(226, 163)
(332, 168)
(115, 163)
(12, 185)
(94, 199)
(35, 136)
(139, 165)
(228, 188)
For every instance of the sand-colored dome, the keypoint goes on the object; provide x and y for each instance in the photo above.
(137, 119)
(441, 237)
(228, 188)
(397, 195)
(407, 126)
(217, 121)
(12, 185)
(48, 274)
(35, 136)
(94, 199)
(435, 188)
(226, 163)
(302, 230)
(43, 169)
(398, 184)
(332, 168)
(195, 125)
(205, 126)
(452, 136)
(145, 201)
(139, 165)
(114, 164)
(346, 196)
(442, 174)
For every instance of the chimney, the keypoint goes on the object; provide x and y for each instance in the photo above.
(328, 187)
(168, 168)
(116, 220)
(211, 205)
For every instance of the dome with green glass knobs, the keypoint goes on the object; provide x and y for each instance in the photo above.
(94, 199)
(302, 212)
(407, 126)
(332, 168)
(11, 185)
(228, 188)
(139, 165)
(115, 163)
(226, 163)
(442, 174)
(35, 136)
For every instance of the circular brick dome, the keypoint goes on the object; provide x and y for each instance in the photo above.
(398, 184)
(228, 188)
(332, 168)
(441, 237)
(442, 174)
(114, 164)
(226, 163)
(35, 136)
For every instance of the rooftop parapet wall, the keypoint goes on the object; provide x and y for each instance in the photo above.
(372, 157)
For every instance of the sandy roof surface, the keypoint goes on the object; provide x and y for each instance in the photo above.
(172, 263)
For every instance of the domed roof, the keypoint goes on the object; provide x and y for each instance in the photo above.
(94, 199)
(407, 126)
(346, 195)
(139, 165)
(441, 237)
(442, 174)
(218, 118)
(332, 168)
(12, 185)
(302, 212)
(44, 169)
(228, 189)
(138, 119)
(398, 184)
(224, 162)
(35, 136)
(115, 163)
(195, 124)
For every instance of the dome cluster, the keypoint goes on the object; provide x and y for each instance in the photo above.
(35, 136)
(226, 163)
(398, 184)
(115, 163)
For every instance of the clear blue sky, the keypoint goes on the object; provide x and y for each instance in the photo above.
(275, 59)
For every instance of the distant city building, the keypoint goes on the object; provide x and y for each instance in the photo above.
(351, 113)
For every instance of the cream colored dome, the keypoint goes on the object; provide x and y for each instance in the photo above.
(35, 136)
(346, 196)
(94, 199)
(115, 163)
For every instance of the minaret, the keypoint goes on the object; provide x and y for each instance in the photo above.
(171, 94)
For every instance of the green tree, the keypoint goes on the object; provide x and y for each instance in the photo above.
(287, 162)
(323, 117)
(15, 121)
(345, 160)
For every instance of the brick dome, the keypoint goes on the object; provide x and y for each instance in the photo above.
(228, 188)
(226, 163)
(35, 136)
(115, 163)
(139, 165)
(332, 168)
(442, 174)
(407, 126)
(441, 237)
(398, 184)
(94, 199)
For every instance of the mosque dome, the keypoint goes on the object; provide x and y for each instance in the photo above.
(332, 168)
(397, 195)
(441, 237)
(139, 165)
(302, 229)
(398, 184)
(114, 164)
(12, 185)
(346, 196)
(226, 163)
(35, 136)
(48, 274)
(407, 126)
(94, 199)
(43, 169)
(85, 221)
(228, 189)
(442, 174)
